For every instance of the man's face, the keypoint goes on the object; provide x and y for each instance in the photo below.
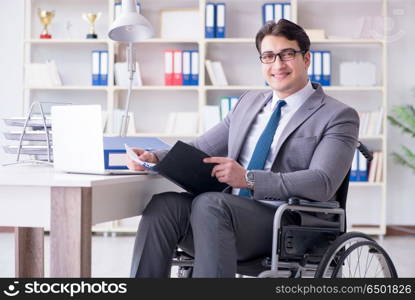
(285, 77)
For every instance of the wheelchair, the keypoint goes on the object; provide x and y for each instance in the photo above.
(319, 252)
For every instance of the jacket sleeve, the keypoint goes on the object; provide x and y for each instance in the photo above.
(329, 165)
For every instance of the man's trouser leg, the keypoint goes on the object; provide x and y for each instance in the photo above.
(163, 224)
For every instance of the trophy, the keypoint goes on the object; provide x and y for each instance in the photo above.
(91, 19)
(45, 18)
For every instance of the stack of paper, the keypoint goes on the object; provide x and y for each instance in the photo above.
(42, 75)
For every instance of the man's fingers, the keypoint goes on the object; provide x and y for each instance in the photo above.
(138, 151)
(134, 166)
(215, 160)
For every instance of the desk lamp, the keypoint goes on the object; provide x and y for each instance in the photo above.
(129, 27)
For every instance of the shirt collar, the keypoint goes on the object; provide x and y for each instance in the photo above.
(297, 99)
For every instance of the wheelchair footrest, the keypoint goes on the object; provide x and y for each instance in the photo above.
(297, 241)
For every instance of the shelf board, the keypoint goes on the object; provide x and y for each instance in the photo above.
(371, 137)
(162, 41)
(68, 41)
(352, 88)
(317, 41)
(159, 88)
(70, 88)
(236, 87)
(365, 184)
(347, 41)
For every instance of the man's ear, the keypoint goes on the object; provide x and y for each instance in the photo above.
(307, 58)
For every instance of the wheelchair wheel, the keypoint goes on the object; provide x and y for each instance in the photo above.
(355, 254)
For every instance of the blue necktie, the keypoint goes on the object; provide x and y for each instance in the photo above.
(261, 151)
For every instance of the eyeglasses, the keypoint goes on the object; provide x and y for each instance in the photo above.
(269, 57)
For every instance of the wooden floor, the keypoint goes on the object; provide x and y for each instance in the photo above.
(111, 256)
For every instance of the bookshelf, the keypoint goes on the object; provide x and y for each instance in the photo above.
(153, 102)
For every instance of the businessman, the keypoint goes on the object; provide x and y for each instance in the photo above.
(292, 140)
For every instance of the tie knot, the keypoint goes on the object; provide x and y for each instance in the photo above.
(281, 103)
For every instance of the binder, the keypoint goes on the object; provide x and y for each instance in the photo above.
(286, 11)
(194, 65)
(310, 70)
(224, 107)
(168, 67)
(267, 12)
(115, 156)
(184, 166)
(278, 11)
(353, 170)
(326, 79)
(95, 67)
(220, 20)
(210, 20)
(362, 168)
(177, 67)
(103, 67)
(232, 102)
(186, 67)
(317, 66)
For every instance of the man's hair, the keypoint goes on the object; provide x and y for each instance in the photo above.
(284, 28)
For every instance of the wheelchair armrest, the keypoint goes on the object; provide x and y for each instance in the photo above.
(309, 203)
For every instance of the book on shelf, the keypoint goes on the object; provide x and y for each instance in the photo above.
(99, 67)
(227, 104)
(320, 67)
(181, 67)
(122, 75)
(42, 74)
(276, 11)
(216, 73)
(117, 115)
(371, 123)
(362, 171)
(215, 23)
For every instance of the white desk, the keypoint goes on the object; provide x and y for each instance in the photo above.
(34, 198)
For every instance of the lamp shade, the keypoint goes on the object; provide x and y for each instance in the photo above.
(130, 26)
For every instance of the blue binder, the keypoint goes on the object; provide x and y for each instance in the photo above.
(103, 67)
(310, 70)
(286, 11)
(362, 168)
(326, 74)
(210, 20)
(318, 66)
(354, 168)
(186, 67)
(267, 12)
(114, 146)
(194, 67)
(95, 67)
(220, 24)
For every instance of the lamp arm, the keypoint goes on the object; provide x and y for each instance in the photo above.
(131, 70)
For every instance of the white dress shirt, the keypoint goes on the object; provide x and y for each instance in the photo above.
(294, 102)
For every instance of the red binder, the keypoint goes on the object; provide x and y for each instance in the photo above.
(177, 67)
(168, 67)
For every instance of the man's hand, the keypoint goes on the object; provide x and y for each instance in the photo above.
(142, 155)
(228, 171)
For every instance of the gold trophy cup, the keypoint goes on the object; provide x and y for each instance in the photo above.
(45, 18)
(91, 19)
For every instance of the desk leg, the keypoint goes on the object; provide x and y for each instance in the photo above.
(29, 247)
(70, 232)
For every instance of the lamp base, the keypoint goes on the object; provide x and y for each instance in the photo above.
(92, 36)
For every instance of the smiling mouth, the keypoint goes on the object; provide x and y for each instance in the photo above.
(280, 76)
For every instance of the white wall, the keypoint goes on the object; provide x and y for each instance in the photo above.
(401, 63)
(11, 64)
(401, 85)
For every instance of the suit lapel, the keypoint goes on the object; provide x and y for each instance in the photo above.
(309, 107)
(247, 121)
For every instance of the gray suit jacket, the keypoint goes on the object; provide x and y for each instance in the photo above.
(314, 152)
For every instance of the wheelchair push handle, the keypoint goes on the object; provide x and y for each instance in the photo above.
(366, 153)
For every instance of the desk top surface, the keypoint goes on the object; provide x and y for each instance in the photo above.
(43, 175)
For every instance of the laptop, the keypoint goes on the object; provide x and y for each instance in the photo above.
(78, 141)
